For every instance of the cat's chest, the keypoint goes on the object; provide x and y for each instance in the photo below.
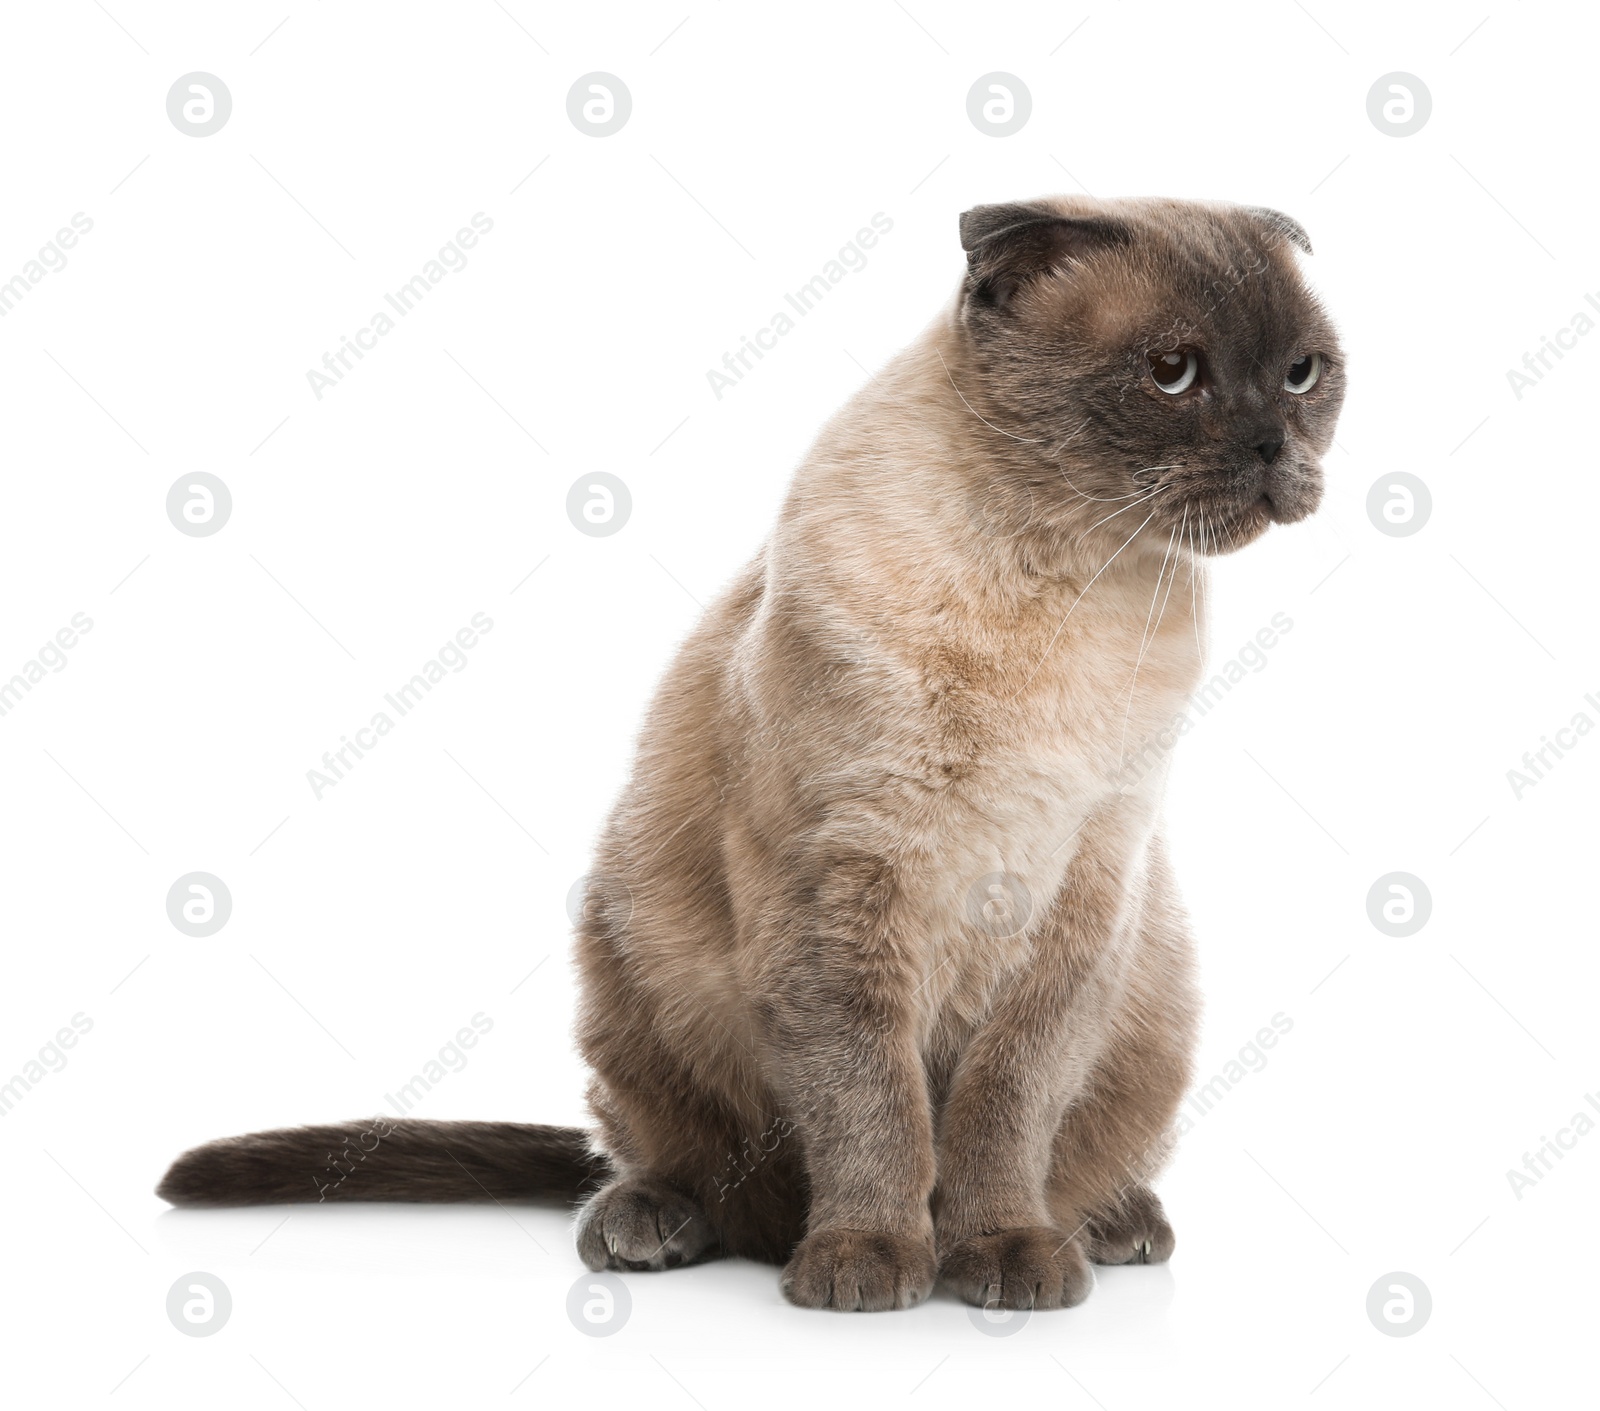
(1017, 809)
(1069, 712)
(1089, 735)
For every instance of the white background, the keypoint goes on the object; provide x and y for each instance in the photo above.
(369, 526)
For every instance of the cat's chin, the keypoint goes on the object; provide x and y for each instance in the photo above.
(1229, 530)
(1227, 533)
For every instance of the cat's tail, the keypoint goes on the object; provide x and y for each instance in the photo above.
(379, 1159)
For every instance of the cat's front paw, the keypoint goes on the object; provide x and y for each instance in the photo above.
(1033, 1267)
(639, 1223)
(1134, 1231)
(859, 1270)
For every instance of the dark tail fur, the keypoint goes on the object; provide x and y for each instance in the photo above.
(377, 1159)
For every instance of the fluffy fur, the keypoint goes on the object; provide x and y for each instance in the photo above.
(885, 974)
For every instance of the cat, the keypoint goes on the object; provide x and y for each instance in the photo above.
(885, 975)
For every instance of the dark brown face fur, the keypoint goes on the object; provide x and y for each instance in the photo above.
(1066, 303)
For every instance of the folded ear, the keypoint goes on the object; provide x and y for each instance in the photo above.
(1282, 226)
(1008, 245)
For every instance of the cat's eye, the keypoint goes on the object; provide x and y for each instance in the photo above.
(1303, 374)
(1176, 371)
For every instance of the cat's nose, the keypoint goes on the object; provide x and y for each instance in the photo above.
(1269, 446)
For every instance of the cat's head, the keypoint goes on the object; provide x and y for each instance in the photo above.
(1151, 362)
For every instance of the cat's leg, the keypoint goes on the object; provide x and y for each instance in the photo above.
(652, 1124)
(1000, 1245)
(1117, 1136)
(838, 1013)
(641, 1222)
(694, 1181)
(703, 1164)
(1133, 1231)
(641, 1219)
(1001, 1239)
(1112, 1143)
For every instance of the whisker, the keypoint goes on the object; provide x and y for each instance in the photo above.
(1174, 583)
(1074, 436)
(1161, 573)
(1147, 637)
(1194, 592)
(1031, 440)
(1098, 499)
(1061, 627)
(1143, 499)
